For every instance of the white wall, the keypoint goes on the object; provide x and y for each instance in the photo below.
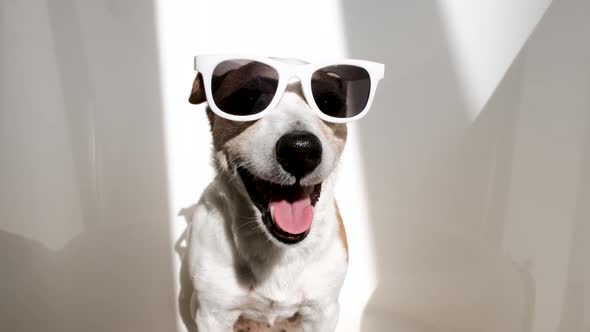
(464, 191)
(84, 224)
(474, 213)
(547, 192)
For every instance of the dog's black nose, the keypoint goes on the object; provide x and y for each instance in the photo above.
(299, 153)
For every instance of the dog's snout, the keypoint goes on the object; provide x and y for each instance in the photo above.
(299, 153)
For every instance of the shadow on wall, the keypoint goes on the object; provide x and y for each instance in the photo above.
(438, 184)
(104, 264)
(427, 169)
(575, 304)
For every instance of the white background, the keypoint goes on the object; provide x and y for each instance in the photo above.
(465, 191)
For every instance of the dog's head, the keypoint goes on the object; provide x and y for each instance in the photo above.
(281, 164)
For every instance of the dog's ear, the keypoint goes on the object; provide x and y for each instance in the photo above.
(198, 92)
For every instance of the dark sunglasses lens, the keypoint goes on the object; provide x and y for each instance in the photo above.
(243, 87)
(341, 91)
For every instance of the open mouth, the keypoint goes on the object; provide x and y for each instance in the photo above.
(287, 211)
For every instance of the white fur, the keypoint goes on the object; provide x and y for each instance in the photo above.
(237, 268)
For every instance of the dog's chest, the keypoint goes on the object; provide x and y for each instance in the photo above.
(276, 299)
(295, 289)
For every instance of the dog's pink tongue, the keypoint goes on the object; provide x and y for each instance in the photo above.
(293, 217)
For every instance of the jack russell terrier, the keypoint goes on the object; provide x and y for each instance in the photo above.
(266, 247)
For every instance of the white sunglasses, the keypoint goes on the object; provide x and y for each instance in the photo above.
(245, 88)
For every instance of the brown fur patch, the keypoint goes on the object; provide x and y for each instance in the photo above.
(336, 134)
(198, 91)
(340, 130)
(211, 117)
(224, 130)
(342, 230)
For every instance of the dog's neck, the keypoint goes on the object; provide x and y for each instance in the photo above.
(256, 255)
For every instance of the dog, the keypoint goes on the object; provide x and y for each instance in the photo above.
(267, 247)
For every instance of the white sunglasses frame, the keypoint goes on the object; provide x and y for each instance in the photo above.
(205, 64)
